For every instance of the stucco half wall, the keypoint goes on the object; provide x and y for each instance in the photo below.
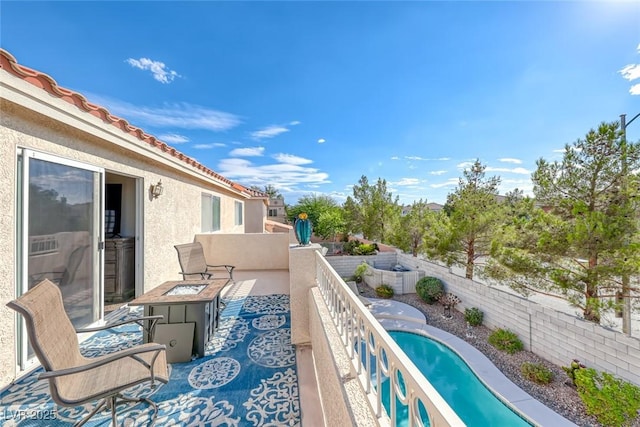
(247, 251)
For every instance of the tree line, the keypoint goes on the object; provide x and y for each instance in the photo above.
(577, 239)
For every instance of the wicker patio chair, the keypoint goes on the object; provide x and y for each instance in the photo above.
(74, 379)
(193, 262)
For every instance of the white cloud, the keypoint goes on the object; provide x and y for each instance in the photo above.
(526, 185)
(437, 173)
(158, 69)
(247, 152)
(451, 182)
(321, 141)
(510, 160)
(177, 115)
(287, 177)
(173, 138)
(631, 72)
(206, 146)
(290, 159)
(395, 158)
(424, 158)
(521, 171)
(294, 122)
(269, 132)
(464, 165)
(71, 184)
(406, 182)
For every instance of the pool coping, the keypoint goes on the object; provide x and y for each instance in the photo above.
(412, 320)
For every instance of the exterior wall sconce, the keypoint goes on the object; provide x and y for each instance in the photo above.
(156, 190)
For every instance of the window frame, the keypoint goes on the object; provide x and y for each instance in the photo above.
(238, 216)
(210, 220)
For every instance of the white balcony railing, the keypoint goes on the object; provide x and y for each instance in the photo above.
(373, 351)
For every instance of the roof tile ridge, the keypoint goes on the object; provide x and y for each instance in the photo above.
(43, 81)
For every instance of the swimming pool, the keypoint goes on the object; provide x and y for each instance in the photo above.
(455, 382)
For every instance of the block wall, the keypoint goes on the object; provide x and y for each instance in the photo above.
(556, 336)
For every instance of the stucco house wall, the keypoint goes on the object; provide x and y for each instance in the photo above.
(33, 117)
(255, 215)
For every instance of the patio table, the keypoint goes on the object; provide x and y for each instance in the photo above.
(185, 301)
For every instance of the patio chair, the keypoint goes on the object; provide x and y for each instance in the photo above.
(64, 274)
(74, 379)
(354, 288)
(193, 262)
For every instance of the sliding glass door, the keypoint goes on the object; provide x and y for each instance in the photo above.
(61, 230)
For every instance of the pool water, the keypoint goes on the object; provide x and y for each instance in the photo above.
(456, 383)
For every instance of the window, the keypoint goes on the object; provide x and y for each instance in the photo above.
(238, 213)
(210, 213)
(273, 212)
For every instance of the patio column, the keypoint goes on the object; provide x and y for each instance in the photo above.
(302, 277)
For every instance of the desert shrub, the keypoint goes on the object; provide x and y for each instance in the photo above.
(611, 400)
(536, 372)
(350, 246)
(355, 247)
(384, 291)
(365, 249)
(505, 340)
(571, 370)
(473, 316)
(430, 289)
(360, 271)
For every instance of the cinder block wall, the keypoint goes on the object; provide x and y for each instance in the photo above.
(346, 265)
(553, 335)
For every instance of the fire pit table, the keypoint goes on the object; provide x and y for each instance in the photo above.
(184, 302)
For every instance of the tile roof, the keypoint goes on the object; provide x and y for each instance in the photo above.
(47, 83)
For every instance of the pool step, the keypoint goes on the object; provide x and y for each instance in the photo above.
(394, 310)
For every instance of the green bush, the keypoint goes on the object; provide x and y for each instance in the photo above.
(350, 246)
(536, 372)
(473, 316)
(355, 247)
(360, 271)
(384, 291)
(612, 401)
(571, 370)
(430, 289)
(505, 340)
(365, 249)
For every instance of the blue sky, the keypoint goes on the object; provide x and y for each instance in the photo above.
(310, 96)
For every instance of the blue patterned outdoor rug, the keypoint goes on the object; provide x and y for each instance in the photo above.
(247, 378)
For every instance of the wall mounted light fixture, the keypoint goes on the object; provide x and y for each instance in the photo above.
(156, 190)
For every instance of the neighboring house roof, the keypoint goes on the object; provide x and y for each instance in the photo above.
(435, 206)
(47, 83)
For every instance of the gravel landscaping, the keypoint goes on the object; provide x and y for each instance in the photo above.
(559, 395)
